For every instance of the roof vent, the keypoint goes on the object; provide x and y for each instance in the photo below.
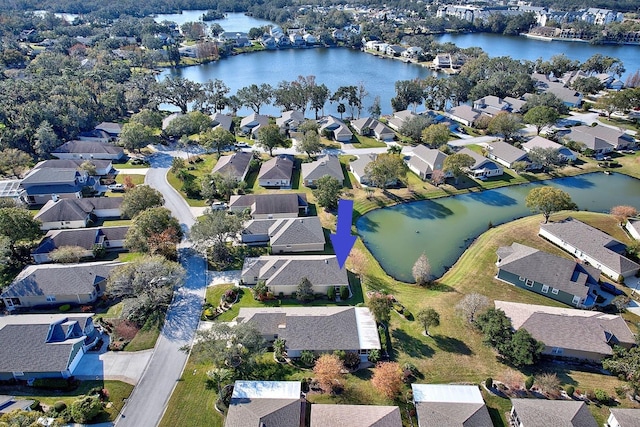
(326, 261)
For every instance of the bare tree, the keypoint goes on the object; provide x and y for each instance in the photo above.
(623, 213)
(548, 383)
(471, 305)
(358, 262)
(422, 270)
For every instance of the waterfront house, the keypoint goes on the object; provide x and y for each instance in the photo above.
(398, 118)
(336, 128)
(336, 415)
(482, 168)
(491, 105)
(251, 124)
(285, 234)
(171, 117)
(44, 345)
(327, 164)
(276, 172)
(88, 150)
(289, 121)
(541, 412)
(600, 139)
(77, 213)
(270, 206)
(224, 121)
(42, 185)
(394, 50)
(442, 60)
(633, 227)
(283, 273)
(540, 142)
(317, 329)
(623, 417)
(424, 160)
(561, 279)
(450, 405)
(506, 154)
(108, 238)
(57, 284)
(265, 403)
(235, 165)
(103, 167)
(369, 126)
(568, 332)
(412, 52)
(546, 84)
(464, 114)
(591, 246)
(359, 170)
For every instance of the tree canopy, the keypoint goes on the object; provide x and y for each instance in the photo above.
(148, 223)
(139, 199)
(548, 200)
(385, 170)
(327, 192)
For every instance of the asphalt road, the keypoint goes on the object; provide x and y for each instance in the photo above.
(149, 399)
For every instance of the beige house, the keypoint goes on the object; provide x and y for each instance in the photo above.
(286, 234)
(323, 166)
(270, 206)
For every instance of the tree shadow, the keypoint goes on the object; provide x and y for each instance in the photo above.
(575, 182)
(425, 210)
(364, 374)
(493, 198)
(496, 418)
(412, 346)
(451, 345)
(365, 224)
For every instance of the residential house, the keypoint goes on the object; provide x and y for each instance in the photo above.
(286, 234)
(268, 42)
(591, 246)
(103, 167)
(359, 170)
(506, 154)
(339, 35)
(328, 415)
(269, 206)
(77, 213)
(412, 52)
(9, 404)
(95, 135)
(623, 417)
(542, 412)
(112, 129)
(394, 50)
(283, 273)
(398, 118)
(482, 168)
(317, 329)
(88, 150)
(464, 114)
(516, 104)
(236, 165)
(224, 121)
(235, 38)
(600, 139)
(296, 39)
(570, 333)
(171, 117)
(549, 84)
(251, 124)
(276, 172)
(369, 126)
(450, 405)
(265, 403)
(424, 160)
(336, 128)
(44, 345)
(633, 227)
(108, 238)
(561, 279)
(290, 121)
(491, 105)
(540, 142)
(323, 166)
(57, 284)
(310, 39)
(42, 185)
(442, 60)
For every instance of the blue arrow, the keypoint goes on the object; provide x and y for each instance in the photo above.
(342, 240)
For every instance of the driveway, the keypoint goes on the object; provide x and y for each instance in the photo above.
(122, 366)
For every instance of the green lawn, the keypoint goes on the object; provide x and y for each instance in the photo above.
(198, 170)
(118, 392)
(360, 141)
(137, 179)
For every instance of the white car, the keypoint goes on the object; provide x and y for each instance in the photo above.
(219, 206)
(116, 187)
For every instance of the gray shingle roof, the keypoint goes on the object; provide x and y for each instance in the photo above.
(50, 176)
(358, 166)
(591, 241)
(75, 209)
(448, 414)
(88, 147)
(277, 168)
(83, 237)
(324, 165)
(265, 404)
(71, 163)
(507, 152)
(234, 165)
(480, 160)
(223, 120)
(297, 231)
(426, 159)
(323, 415)
(626, 417)
(263, 204)
(553, 413)
(560, 273)
(24, 342)
(573, 329)
(319, 269)
(59, 279)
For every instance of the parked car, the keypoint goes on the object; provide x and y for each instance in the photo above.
(242, 145)
(219, 206)
(138, 161)
(116, 187)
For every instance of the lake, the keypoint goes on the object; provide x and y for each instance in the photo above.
(231, 22)
(519, 47)
(443, 228)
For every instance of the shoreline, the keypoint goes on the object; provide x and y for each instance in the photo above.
(574, 40)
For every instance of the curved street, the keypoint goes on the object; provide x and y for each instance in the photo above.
(149, 399)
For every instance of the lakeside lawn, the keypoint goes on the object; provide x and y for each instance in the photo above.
(454, 352)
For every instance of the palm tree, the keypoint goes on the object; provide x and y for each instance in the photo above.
(341, 109)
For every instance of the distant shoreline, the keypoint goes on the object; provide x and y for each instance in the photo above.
(577, 40)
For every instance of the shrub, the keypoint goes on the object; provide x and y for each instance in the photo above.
(374, 355)
(35, 406)
(341, 354)
(351, 360)
(407, 315)
(59, 406)
(85, 409)
(528, 383)
(55, 384)
(488, 383)
(570, 390)
(64, 308)
(344, 293)
(601, 395)
(383, 337)
(331, 293)
(307, 357)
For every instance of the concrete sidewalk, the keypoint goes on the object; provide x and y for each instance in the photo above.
(122, 366)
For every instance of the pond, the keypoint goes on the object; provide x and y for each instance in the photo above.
(443, 228)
